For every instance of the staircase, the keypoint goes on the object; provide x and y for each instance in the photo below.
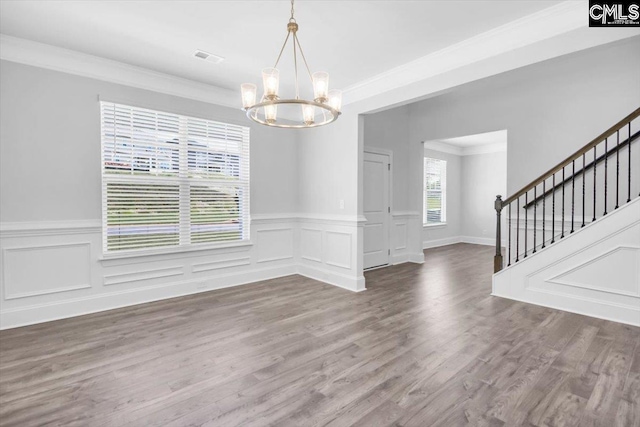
(573, 234)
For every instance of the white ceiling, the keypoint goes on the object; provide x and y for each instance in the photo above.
(353, 40)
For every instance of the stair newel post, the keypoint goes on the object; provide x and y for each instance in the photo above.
(497, 259)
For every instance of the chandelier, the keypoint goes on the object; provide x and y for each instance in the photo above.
(298, 113)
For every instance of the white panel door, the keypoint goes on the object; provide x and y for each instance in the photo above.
(376, 210)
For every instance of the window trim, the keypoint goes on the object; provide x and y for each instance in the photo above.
(443, 192)
(180, 180)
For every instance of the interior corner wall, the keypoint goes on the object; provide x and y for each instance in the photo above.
(550, 109)
(50, 203)
(484, 176)
(330, 229)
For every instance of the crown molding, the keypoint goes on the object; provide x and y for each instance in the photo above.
(68, 61)
(547, 23)
(443, 147)
(495, 147)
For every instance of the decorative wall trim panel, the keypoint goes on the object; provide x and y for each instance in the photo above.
(400, 234)
(583, 273)
(275, 244)
(107, 283)
(625, 272)
(311, 244)
(45, 312)
(136, 276)
(339, 249)
(34, 270)
(217, 265)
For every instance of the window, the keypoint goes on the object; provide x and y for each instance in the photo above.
(435, 191)
(171, 181)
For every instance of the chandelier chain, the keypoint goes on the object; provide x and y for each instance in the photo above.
(292, 19)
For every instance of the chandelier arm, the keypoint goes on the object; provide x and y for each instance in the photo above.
(282, 49)
(295, 64)
(304, 58)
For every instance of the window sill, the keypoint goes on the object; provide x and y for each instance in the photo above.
(173, 250)
(436, 225)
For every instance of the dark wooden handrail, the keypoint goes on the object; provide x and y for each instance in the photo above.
(574, 156)
(587, 167)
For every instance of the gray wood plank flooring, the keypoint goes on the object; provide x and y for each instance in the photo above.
(425, 345)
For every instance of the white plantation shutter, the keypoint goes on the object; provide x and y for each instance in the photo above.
(435, 183)
(171, 180)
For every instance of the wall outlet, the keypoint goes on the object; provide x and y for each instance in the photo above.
(341, 203)
(201, 285)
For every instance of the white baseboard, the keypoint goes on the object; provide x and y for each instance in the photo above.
(618, 313)
(331, 277)
(417, 258)
(478, 240)
(428, 244)
(29, 315)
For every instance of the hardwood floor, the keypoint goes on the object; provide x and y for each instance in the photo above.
(425, 345)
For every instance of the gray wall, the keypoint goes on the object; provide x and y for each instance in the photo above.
(550, 109)
(50, 145)
(483, 177)
(472, 184)
(389, 130)
(328, 164)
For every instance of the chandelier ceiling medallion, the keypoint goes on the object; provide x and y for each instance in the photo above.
(298, 113)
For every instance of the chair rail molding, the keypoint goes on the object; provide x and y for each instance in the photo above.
(319, 246)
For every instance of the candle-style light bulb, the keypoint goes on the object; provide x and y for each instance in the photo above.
(271, 81)
(249, 91)
(320, 85)
(335, 99)
(270, 113)
(308, 114)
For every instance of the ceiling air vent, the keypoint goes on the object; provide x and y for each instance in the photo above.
(208, 56)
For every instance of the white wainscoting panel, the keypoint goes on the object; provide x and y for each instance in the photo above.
(45, 269)
(400, 235)
(201, 267)
(339, 249)
(138, 276)
(275, 244)
(311, 244)
(406, 237)
(328, 251)
(52, 271)
(595, 271)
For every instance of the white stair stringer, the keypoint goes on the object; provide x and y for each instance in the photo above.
(595, 271)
